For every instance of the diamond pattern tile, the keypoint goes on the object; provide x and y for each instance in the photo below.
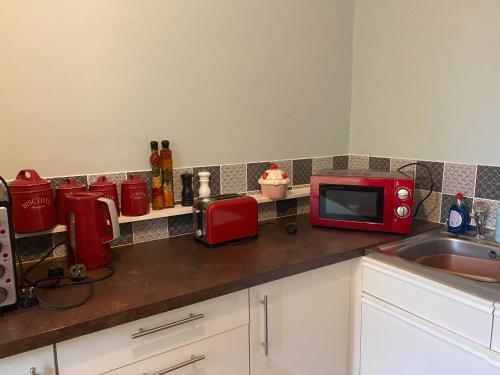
(398, 163)
(422, 180)
(117, 178)
(303, 205)
(126, 237)
(58, 181)
(178, 182)
(488, 182)
(214, 182)
(302, 170)
(59, 238)
(491, 214)
(431, 208)
(358, 162)
(33, 248)
(267, 211)
(150, 230)
(254, 171)
(379, 164)
(146, 176)
(341, 162)
(286, 207)
(447, 201)
(459, 177)
(322, 163)
(287, 167)
(178, 225)
(233, 178)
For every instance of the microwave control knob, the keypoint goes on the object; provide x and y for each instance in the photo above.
(199, 233)
(403, 194)
(2, 271)
(402, 211)
(3, 294)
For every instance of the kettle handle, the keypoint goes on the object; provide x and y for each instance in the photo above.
(33, 175)
(113, 217)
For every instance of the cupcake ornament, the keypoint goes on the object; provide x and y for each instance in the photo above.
(274, 182)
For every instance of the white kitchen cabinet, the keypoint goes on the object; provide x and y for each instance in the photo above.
(122, 345)
(35, 362)
(303, 320)
(395, 342)
(223, 354)
(448, 307)
(495, 337)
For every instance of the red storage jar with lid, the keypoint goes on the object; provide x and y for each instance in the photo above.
(32, 203)
(70, 186)
(108, 188)
(135, 200)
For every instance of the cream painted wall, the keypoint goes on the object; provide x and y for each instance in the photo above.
(426, 80)
(85, 84)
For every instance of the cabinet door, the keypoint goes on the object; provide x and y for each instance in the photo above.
(394, 342)
(40, 360)
(223, 354)
(303, 320)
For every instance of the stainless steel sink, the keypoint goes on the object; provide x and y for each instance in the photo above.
(474, 259)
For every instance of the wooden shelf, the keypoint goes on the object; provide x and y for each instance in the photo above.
(175, 211)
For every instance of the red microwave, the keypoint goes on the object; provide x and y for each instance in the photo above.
(363, 200)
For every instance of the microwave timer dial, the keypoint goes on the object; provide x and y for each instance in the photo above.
(403, 194)
(402, 211)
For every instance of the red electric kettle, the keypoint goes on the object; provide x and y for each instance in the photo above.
(92, 222)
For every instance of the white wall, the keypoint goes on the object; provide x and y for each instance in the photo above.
(85, 84)
(426, 80)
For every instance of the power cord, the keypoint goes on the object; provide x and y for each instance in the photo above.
(429, 172)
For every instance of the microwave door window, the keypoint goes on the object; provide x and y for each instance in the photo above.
(352, 203)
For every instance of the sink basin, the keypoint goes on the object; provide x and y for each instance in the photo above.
(467, 257)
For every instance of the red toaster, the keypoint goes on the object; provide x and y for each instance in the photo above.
(225, 218)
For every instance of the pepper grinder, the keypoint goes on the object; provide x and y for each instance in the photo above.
(187, 189)
(204, 177)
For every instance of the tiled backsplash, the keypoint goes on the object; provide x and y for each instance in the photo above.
(478, 183)
(230, 178)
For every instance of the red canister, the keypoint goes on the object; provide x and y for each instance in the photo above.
(108, 188)
(32, 203)
(70, 186)
(135, 200)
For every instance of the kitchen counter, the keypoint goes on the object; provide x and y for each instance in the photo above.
(158, 276)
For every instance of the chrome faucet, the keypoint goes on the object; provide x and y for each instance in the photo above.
(479, 209)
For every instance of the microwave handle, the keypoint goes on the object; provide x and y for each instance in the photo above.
(113, 218)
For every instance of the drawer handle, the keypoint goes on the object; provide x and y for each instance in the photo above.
(190, 361)
(190, 318)
(265, 344)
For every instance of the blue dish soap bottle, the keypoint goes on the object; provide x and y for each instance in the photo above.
(459, 216)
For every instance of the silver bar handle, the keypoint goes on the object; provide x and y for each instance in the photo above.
(190, 361)
(33, 371)
(190, 318)
(265, 344)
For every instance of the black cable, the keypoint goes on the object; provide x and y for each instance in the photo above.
(71, 282)
(38, 262)
(430, 178)
(283, 225)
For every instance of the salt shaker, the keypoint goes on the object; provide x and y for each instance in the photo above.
(187, 189)
(204, 177)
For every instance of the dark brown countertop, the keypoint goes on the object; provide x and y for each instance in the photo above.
(158, 276)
